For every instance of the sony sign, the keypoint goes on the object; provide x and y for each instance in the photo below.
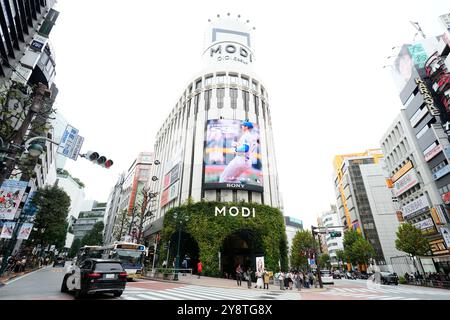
(231, 52)
(235, 211)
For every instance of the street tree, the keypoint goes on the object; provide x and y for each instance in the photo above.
(324, 261)
(357, 250)
(340, 256)
(76, 245)
(95, 236)
(121, 225)
(411, 240)
(302, 245)
(50, 224)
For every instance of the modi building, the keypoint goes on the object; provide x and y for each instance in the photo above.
(216, 187)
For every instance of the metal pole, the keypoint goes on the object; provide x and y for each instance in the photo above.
(177, 261)
(154, 255)
(167, 259)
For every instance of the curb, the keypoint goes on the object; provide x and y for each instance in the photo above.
(5, 282)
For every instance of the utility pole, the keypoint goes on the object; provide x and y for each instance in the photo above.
(319, 277)
(40, 94)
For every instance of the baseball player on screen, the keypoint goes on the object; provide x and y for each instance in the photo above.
(242, 161)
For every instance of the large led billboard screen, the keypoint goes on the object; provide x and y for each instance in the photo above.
(232, 158)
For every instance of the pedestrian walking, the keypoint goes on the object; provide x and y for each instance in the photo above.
(266, 278)
(281, 279)
(239, 275)
(259, 280)
(199, 268)
(248, 277)
(184, 266)
(164, 264)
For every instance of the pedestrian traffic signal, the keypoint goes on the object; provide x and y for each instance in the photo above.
(97, 159)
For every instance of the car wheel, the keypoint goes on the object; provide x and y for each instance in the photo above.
(118, 293)
(79, 294)
(64, 288)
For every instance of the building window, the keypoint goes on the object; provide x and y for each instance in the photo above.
(256, 99)
(254, 86)
(233, 96)
(422, 131)
(208, 81)
(221, 78)
(438, 167)
(245, 82)
(220, 94)
(233, 79)
(207, 99)
(245, 97)
(198, 84)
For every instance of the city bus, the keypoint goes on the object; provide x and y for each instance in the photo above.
(131, 255)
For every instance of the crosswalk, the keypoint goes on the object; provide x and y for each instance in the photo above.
(383, 293)
(193, 292)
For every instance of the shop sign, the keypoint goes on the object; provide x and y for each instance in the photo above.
(427, 97)
(439, 174)
(424, 224)
(405, 183)
(402, 171)
(438, 247)
(446, 235)
(235, 211)
(433, 152)
(446, 197)
(415, 206)
(442, 214)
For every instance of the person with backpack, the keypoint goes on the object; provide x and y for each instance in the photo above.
(239, 275)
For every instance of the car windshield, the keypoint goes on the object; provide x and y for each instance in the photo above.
(108, 266)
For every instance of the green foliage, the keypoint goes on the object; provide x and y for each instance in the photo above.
(53, 205)
(76, 245)
(121, 225)
(324, 260)
(66, 173)
(302, 244)
(411, 240)
(357, 250)
(210, 231)
(95, 236)
(340, 256)
(401, 280)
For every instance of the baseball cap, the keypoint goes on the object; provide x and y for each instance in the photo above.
(247, 124)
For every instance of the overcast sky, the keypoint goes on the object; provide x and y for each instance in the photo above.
(122, 65)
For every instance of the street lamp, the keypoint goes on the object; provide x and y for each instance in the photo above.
(179, 220)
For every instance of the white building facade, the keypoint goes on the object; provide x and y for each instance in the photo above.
(329, 219)
(195, 143)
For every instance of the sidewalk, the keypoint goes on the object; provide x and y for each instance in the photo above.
(227, 283)
(4, 279)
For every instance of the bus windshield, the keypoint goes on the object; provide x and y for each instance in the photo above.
(132, 257)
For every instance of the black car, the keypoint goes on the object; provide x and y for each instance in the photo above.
(388, 278)
(95, 276)
(59, 262)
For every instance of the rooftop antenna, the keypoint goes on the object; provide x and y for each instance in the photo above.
(419, 30)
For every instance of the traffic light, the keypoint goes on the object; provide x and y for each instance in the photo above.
(335, 234)
(100, 160)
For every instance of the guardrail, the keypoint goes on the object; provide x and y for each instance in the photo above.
(443, 284)
(173, 274)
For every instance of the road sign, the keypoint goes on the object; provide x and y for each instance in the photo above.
(70, 143)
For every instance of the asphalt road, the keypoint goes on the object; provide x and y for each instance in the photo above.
(45, 284)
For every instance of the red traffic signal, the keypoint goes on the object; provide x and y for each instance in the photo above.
(97, 159)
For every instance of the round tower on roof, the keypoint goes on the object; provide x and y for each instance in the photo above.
(229, 40)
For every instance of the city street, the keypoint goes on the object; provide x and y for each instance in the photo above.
(45, 284)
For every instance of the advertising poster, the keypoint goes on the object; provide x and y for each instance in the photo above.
(260, 264)
(25, 230)
(7, 230)
(11, 193)
(232, 158)
(29, 209)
